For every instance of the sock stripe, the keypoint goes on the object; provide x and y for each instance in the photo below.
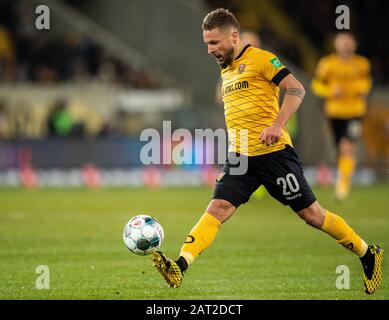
(338, 228)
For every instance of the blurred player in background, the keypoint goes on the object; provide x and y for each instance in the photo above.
(343, 80)
(251, 81)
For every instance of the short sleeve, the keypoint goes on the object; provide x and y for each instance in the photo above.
(271, 67)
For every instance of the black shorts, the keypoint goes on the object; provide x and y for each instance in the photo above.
(279, 172)
(346, 128)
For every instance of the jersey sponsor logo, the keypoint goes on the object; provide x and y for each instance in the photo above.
(294, 197)
(276, 63)
(236, 86)
(241, 68)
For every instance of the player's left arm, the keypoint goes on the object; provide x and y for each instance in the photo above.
(294, 95)
(364, 83)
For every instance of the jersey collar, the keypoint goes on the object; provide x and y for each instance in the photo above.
(243, 50)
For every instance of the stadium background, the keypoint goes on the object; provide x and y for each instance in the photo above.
(74, 100)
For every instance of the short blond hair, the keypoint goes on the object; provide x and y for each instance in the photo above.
(220, 18)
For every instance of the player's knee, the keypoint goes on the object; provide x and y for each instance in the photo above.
(221, 209)
(312, 221)
(346, 147)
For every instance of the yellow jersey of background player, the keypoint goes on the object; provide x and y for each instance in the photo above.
(343, 79)
(344, 83)
(250, 94)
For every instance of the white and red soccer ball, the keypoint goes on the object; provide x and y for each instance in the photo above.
(143, 235)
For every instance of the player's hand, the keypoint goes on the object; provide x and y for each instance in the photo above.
(271, 135)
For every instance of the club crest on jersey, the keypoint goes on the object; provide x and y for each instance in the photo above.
(241, 68)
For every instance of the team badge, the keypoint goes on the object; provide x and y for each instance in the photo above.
(242, 67)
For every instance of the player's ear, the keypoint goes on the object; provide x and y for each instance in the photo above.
(234, 36)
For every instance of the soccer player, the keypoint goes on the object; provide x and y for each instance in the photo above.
(253, 110)
(343, 79)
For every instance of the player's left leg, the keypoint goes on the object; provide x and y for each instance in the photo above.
(335, 226)
(370, 256)
(346, 168)
(346, 134)
(284, 179)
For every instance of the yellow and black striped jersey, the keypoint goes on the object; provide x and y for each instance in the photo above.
(251, 100)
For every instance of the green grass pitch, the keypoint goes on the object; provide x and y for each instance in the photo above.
(263, 252)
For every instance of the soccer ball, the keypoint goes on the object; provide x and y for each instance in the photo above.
(143, 235)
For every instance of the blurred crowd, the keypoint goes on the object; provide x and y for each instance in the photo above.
(368, 22)
(40, 57)
(27, 54)
(45, 57)
(316, 22)
(64, 118)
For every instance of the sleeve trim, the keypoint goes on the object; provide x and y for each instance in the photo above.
(280, 75)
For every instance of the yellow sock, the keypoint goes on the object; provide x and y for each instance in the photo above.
(200, 237)
(346, 167)
(336, 227)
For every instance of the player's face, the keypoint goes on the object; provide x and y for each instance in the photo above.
(220, 43)
(345, 45)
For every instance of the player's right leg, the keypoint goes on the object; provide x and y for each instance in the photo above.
(200, 238)
(168, 268)
(230, 192)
